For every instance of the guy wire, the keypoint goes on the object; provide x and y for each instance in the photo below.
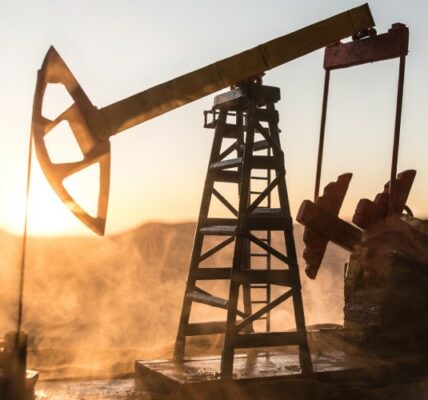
(24, 243)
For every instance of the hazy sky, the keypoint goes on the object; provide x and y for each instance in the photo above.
(116, 49)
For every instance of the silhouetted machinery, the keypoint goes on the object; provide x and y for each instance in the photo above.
(387, 276)
(246, 153)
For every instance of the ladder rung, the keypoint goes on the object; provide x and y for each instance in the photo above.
(231, 163)
(218, 221)
(283, 277)
(261, 145)
(259, 255)
(259, 286)
(220, 230)
(203, 297)
(268, 219)
(269, 339)
(265, 162)
(212, 273)
(260, 178)
(266, 212)
(205, 328)
(267, 223)
(255, 192)
(208, 299)
(259, 302)
(226, 176)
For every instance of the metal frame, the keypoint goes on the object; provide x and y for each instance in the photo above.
(250, 104)
(393, 44)
(93, 127)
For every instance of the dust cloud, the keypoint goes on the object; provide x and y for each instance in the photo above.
(94, 305)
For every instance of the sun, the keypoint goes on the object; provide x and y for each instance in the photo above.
(47, 215)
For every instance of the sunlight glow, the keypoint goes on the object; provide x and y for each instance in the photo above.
(158, 168)
(47, 215)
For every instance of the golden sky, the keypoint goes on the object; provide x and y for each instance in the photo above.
(116, 49)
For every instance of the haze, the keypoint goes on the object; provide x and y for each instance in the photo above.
(116, 49)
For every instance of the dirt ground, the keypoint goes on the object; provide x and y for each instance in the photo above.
(123, 389)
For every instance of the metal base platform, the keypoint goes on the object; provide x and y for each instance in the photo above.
(199, 376)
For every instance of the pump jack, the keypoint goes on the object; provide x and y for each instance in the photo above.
(252, 106)
(92, 128)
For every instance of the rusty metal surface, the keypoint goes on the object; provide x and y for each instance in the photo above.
(394, 235)
(370, 212)
(384, 234)
(362, 50)
(321, 225)
(393, 44)
(386, 284)
(92, 127)
(328, 225)
(315, 243)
